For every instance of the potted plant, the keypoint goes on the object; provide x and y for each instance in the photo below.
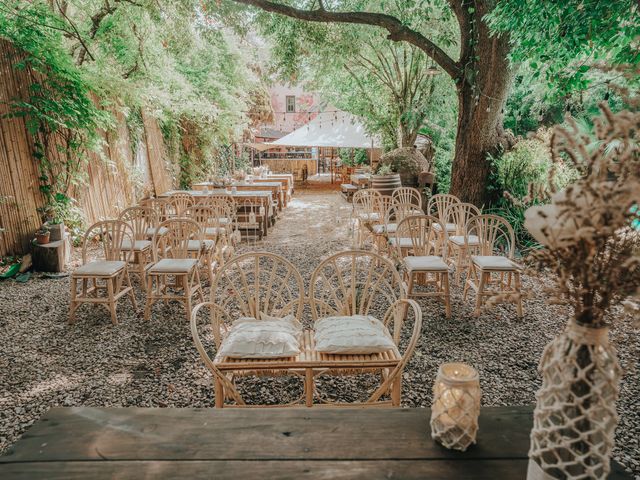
(42, 235)
(590, 246)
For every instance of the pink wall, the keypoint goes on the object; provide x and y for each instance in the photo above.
(306, 104)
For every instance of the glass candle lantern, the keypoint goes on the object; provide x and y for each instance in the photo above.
(456, 406)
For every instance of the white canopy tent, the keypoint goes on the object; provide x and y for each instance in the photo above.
(344, 132)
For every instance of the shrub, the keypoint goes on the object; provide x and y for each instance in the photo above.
(527, 165)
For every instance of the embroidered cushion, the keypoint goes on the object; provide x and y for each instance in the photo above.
(357, 334)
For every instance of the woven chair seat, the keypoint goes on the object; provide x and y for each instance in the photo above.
(451, 227)
(459, 240)
(174, 265)
(138, 245)
(494, 262)
(101, 268)
(161, 231)
(195, 245)
(428, 263)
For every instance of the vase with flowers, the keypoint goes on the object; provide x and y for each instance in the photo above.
(591, 252)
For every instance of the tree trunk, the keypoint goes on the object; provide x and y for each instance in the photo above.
(480, 116)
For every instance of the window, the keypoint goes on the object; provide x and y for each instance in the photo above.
(291, 103)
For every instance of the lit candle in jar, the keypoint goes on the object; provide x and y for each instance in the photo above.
(456, 406)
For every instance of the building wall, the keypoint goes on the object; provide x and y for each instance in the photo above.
(306, 104)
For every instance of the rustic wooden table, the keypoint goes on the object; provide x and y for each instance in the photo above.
(137, 443)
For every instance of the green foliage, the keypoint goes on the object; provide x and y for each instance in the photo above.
(526, 165)
(562, 40)
(353, 157)
(58, 108)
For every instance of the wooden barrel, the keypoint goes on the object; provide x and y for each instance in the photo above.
(386, 184)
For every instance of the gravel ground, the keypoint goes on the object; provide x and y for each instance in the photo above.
(46, 363)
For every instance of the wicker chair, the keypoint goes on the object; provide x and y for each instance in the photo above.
(103, 281)
(409, 195)
(158, 211)
(140, 219)
(415, 242)
(364, 283)
(493, 266)
(178, 203)
(460, 244)
(247, 286)
(364, 213)
(438, 206)
(380, 227)
(174, 269)
(205, 249)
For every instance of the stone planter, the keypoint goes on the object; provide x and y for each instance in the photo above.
(575, 415)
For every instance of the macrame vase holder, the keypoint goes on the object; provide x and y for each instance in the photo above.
(575, 415)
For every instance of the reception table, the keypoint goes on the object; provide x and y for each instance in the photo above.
(263, 198)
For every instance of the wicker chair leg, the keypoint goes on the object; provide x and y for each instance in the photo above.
(446, 295)
(518, 289)
(112, 301)
(480, 293)
(74, 304)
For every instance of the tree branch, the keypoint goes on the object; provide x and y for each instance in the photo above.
(397, 31)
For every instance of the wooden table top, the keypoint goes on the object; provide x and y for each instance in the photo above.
(136, 443)
(222, 191)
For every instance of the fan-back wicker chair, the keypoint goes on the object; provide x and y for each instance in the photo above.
(103, 281)
(140, 219)
(438, 206)
(257, 283)
(409, 195)
(365, 213)
(380, 227)
(247, 286)
(175, 273)
(460, 244)
(178, 203)
(204, 250)
(493, 266)
(364, 283)
(158, 210)
(415, 241)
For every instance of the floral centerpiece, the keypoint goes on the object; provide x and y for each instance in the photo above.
(591, 251)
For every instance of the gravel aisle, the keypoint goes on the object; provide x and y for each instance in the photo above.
(45, 363)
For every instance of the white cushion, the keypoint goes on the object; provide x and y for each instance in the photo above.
(430, 263)
(357, 334)
(161, 231)
(405, 242)
(195, 245)
(380, 229)
(269, 337)
(451, 227)
(101, 268)
(459, 240)
(138, 245)
(493, 262)
(174, 265)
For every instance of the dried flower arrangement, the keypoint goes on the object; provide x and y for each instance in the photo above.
(587, 230)
(591, 246)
